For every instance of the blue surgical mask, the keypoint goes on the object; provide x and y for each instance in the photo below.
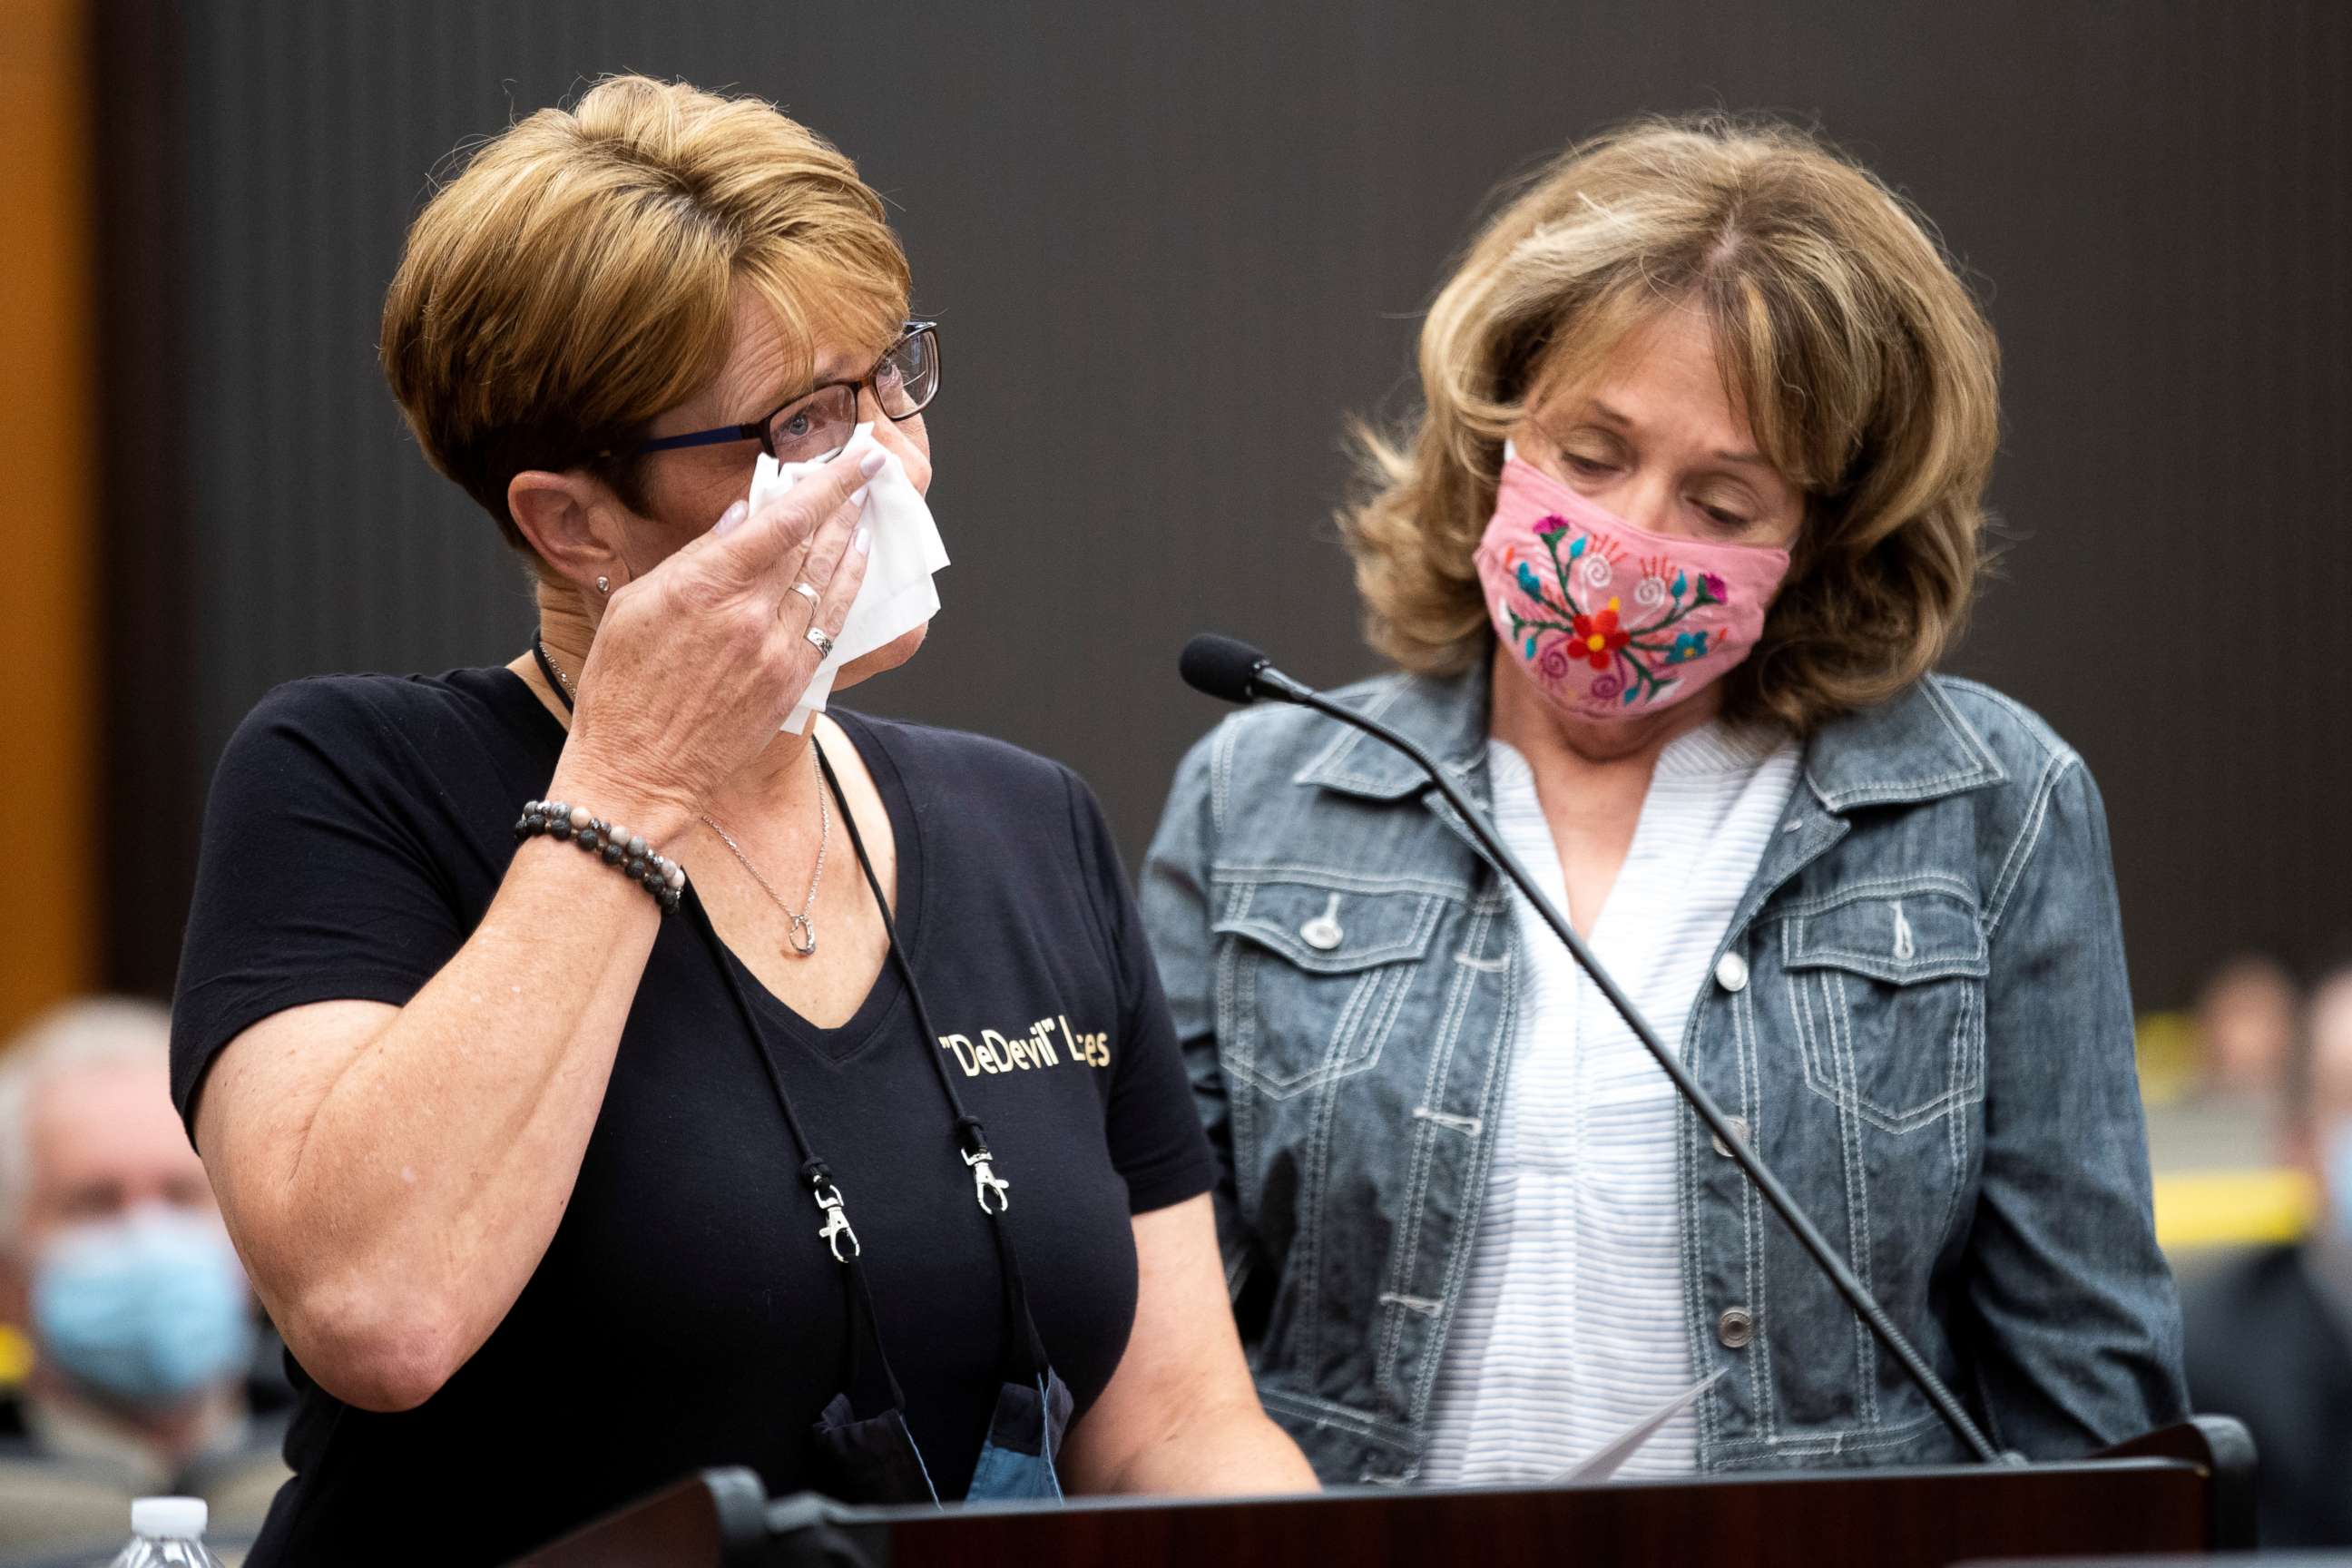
(2336, 1173)
(146, 1310)
(1016, 1462)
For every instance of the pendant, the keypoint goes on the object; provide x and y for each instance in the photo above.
(803, 935)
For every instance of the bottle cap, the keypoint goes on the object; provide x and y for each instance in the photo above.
(170, 1518)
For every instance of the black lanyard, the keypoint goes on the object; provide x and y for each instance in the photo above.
(1024, 1359)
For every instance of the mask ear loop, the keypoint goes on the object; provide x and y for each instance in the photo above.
(971, 1137)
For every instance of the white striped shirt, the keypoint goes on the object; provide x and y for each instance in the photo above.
(1571, 1325)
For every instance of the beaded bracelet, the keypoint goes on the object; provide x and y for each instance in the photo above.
(617, 846)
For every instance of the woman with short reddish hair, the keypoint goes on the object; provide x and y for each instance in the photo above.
(567, 1040)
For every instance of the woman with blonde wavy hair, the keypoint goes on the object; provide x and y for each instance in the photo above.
(608, 1068)
(1690, 514)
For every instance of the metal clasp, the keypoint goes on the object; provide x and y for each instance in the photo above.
(985, 1181)
(836, 1223)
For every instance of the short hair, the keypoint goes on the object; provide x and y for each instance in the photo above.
(1846, 339)
(92, 1032)
(577, 278)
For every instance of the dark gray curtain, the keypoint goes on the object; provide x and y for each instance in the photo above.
(1172, 247)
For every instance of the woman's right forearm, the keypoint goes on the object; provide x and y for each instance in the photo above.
(393, 1179)
(395, 1196)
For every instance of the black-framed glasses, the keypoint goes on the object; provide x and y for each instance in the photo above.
(818, 423)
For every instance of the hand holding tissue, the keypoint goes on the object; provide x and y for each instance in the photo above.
(897, 594)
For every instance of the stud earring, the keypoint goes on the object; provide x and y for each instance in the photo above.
(603, 584)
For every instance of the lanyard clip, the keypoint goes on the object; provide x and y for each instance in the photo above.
(836, 1223)
(986, 1182)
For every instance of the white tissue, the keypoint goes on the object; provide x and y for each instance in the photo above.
(897, 594)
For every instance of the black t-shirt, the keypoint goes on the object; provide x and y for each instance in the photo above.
(686, 1313)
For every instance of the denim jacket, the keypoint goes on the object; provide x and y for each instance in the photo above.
(1918, 1017)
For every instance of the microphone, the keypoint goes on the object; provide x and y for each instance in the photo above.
(1224, 668)
(1229, 669)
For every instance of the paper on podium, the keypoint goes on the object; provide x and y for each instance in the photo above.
(1604, 1464)
(897, 594)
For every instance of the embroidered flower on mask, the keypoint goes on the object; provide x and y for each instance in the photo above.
(1598, 637)
(1555, 575)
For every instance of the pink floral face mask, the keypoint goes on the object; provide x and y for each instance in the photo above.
(1610, 621)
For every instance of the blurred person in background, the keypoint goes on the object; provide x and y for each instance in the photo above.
(1691, 514)
(2270, 1332)
(113, 1260)
(557, 1198)
(2216, 1105)
(2246, 1029)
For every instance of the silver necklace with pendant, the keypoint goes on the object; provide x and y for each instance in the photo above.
(802, 934)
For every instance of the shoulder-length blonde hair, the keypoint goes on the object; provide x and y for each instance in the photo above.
(576, 279)
(1860, 361)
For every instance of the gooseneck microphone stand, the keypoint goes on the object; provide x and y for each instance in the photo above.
(1236, 672)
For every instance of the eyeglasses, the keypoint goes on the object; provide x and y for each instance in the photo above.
(819, 423)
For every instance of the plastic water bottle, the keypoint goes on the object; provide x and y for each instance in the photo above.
(168, 1531)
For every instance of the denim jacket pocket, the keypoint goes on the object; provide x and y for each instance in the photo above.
(1886, 992)
(1316, 973)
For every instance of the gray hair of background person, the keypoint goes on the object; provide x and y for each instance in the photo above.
(97, 1031)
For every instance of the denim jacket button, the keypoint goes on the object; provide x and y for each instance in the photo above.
(1731, 972)
(1738, 1131)
(1735, 1328)
(1323, 932)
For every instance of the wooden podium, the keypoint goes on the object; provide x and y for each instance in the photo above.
(2186, 1489)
